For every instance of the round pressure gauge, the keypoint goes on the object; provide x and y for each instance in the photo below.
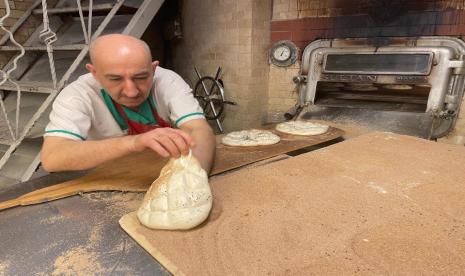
(283, 53)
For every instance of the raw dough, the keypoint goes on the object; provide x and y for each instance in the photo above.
(249, 138)
(302, 128)
(180, 198)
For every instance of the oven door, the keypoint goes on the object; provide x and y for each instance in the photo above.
(403, 89)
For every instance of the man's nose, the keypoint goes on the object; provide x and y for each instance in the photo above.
(130, 89)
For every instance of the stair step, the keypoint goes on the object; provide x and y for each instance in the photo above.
(17, 166)
(7, 182)
(32, 86)
(95, 9)
(5, 143)
(21, 160)
(76, 47)
(3, 149)
(30, 103)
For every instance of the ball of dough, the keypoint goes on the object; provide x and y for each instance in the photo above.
(180, 198)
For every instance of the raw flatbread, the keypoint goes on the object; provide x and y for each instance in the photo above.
(250, 137)
(179, 199)
(397, 86)
(302, 128)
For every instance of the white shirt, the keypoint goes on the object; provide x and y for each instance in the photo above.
(79, 112)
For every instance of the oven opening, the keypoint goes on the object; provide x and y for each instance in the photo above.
(374, 96)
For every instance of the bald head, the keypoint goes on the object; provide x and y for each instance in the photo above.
(123, 66)
(119, 46)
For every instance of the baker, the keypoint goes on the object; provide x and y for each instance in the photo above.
(126, 104)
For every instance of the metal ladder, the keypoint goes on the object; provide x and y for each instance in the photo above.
(53, 56)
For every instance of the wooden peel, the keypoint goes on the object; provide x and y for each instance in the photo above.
(124, 174)
(136, 172)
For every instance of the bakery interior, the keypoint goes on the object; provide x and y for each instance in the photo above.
(379, 191)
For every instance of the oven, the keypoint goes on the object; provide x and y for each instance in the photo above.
(408, 85)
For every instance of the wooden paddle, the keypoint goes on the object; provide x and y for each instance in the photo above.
(136, 172)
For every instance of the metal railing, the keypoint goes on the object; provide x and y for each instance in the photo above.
(139, 21)
(48, 36)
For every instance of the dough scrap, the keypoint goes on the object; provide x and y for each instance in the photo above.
(179, 199)
(249, 138)
(302, 128)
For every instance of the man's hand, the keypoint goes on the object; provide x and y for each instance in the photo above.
(205, 142)
(62, 154)
(165, 141)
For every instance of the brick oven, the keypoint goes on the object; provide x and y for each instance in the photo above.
(407, 85)
(372, 26)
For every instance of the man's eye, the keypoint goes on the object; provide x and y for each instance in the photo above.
(114, 79)
(141, 78)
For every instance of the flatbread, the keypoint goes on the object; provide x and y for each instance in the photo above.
(250, 138)
(302, 128)
(179, 199)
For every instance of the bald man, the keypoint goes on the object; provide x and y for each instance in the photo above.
(126, 104)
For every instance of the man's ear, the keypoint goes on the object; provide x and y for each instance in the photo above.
(91, 69)
(155, 64)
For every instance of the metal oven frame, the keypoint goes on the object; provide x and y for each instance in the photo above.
(445, 75)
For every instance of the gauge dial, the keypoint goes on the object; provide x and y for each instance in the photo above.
(282, 53)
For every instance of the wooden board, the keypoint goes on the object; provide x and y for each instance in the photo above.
(136, 172)
(120, 175)
(228, 158)
(376, 204)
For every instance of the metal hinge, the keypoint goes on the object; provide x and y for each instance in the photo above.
(458, 67)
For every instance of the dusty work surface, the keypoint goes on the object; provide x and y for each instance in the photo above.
(137, 172)
(376, 204)
(77, 235)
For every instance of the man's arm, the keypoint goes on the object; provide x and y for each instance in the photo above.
(204, 139)
(62, 154)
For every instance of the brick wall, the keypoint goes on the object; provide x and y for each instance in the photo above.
(234, 35)
(17, 8)
(303, 21)
(421, 23)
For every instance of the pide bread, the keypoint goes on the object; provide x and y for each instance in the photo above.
(180, 198)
